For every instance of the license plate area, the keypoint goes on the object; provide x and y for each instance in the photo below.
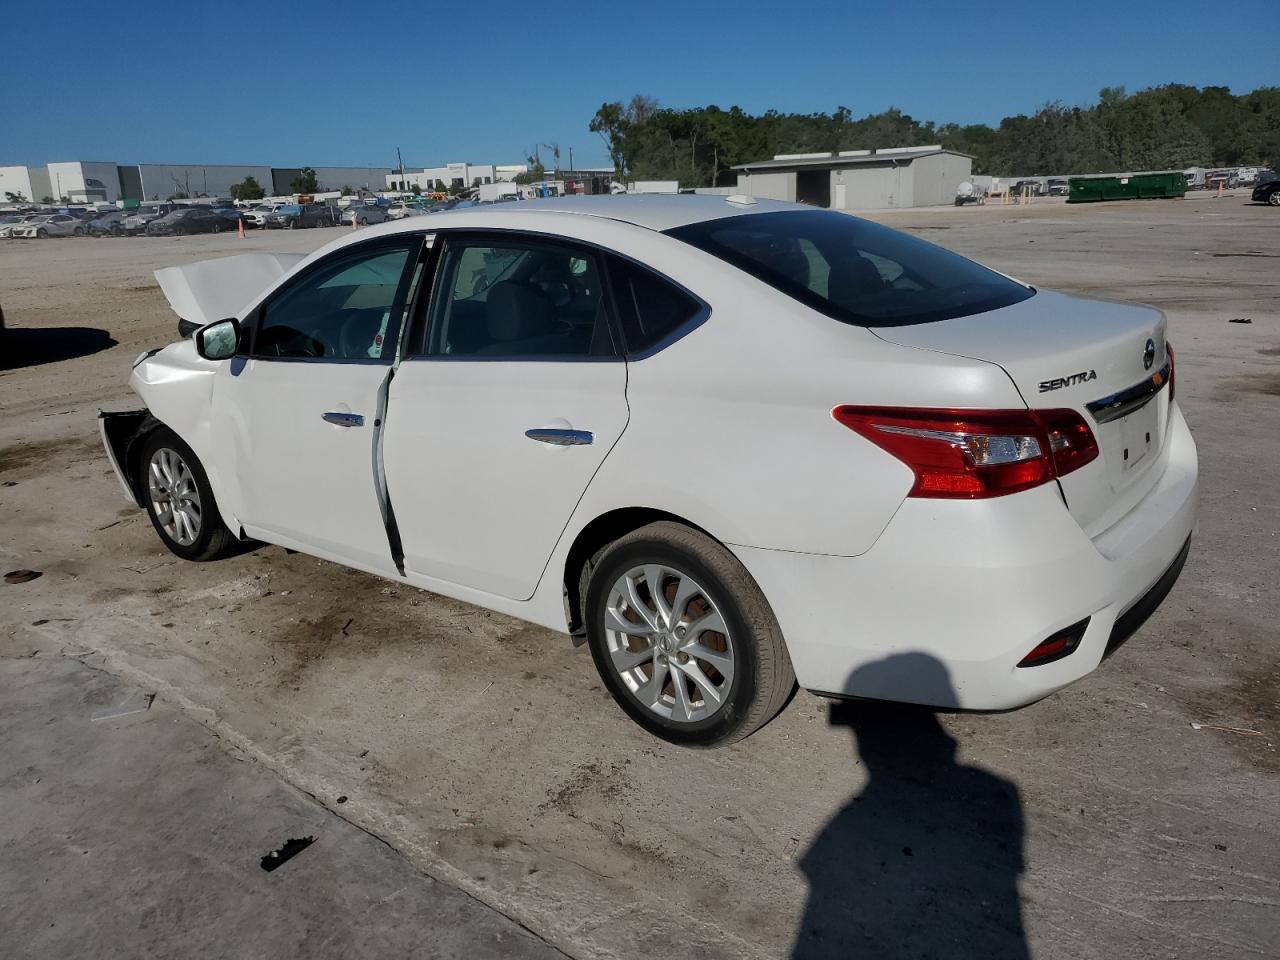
(1138, 437)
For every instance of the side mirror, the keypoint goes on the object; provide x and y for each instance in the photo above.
(218, 341)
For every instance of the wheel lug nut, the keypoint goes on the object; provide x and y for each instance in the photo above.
(682, 657)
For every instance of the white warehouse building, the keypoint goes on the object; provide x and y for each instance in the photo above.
(29, 184)
(860, 179)
(454, 175)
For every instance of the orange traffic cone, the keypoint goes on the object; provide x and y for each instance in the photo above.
(1219, 188)
(240, 229)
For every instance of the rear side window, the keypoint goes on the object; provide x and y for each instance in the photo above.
(650, 308)
(853, 270)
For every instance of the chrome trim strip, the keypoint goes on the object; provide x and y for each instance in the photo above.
(1129, 400)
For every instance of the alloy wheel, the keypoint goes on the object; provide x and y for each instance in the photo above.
(175, 498)
(669, 643)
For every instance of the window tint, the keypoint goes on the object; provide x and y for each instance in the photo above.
(514, 298)
(649, 307)
(853, 270)
(342, 310)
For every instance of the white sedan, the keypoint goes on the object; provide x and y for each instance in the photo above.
(732, 445)
(50, 225)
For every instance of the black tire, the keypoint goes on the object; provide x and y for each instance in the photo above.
(217, 228)
(763, 679)
(290, 224)
(213, 540)
(1274, 199)
(42, 234)
(79, 231)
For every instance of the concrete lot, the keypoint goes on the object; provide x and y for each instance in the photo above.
(1136, 814)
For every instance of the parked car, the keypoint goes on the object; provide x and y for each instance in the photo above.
(136, 222)
(398, 211)
(1033, 186)
(229, 213)
(10, 220)
(257, 216)
(1059, 187)
(292, 216)
(111, 223)
(1268, 188)
(364, 214)
(50, 225)
(806, 444)
(188, 220)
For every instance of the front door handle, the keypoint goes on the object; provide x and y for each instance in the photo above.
(560, 438)
(343, 419)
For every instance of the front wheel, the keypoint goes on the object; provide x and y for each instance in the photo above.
(1274, 199)
(42, 234)
(290, 224)
(79, 231)
(217, 228)
(180, 501)
(683, 637)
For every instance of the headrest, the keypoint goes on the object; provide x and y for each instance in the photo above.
(514, 311)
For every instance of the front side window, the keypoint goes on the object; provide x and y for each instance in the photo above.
(347, 309)
(516, 298)
(854, 270)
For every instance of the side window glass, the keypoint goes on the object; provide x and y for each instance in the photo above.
(340, 311)
(518, 299)
(650, 307)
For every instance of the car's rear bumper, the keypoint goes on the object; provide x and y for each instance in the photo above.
(975, 585)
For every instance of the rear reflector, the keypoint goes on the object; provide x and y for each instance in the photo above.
(1061, 644)
(1168, 350)
(971, 454)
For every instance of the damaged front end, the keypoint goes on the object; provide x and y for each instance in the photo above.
(123, 433)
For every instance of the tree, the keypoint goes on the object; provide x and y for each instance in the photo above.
(247, 189)
(15, 196)
(347, 191)
(305, 182)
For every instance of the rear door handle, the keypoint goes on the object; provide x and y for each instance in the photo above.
(343, 419)
(560, 438)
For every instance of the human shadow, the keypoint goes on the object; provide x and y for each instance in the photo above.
(925, 861)
(32, 346)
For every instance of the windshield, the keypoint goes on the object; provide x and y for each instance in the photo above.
(853, 270)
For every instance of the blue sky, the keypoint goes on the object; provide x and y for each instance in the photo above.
(335, 83)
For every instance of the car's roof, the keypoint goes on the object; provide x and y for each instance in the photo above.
(652, 210)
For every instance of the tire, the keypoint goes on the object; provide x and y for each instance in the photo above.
(42, 234)
(78, 231)
(291, 224)
(1274, 198)
(169, 468)
(217, 228)
(751, 675)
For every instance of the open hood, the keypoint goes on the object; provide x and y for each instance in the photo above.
(210, 290)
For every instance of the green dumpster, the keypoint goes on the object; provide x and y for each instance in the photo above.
(1138, 186)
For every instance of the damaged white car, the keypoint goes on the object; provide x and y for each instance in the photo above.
(730, 444)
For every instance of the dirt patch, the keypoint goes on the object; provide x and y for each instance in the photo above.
(1249, 253)
(1250, 702)
(609, 783)
(17, 456)
(1264, 383)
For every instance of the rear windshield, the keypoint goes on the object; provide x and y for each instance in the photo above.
(853, 270)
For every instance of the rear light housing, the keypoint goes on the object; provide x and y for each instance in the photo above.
(974, 454)
(1056, 646)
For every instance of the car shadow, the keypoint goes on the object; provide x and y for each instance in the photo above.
(924, 861)
(33, 346)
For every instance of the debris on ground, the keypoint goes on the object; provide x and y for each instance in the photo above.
(1241, 731)
(1240, 320)
(125, 709)
(292, 847)
(21, 576)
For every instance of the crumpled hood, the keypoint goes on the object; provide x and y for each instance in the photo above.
(210, 290)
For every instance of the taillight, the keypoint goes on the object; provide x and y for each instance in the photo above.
(1168, 350)
(1059, 645)
(971, 454)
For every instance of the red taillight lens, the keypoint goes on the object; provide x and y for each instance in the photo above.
(1168, 349)
(971, 454)
(1061, 644)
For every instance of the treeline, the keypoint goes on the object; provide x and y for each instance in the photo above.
(1168, 127)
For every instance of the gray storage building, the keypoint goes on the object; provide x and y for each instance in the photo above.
(860, 179)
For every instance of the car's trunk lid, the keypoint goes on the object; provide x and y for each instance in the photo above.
(1104, 359)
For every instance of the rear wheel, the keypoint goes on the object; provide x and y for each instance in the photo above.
(1274, 199)
(683, 637)
(79, 231)
(217, 228)
(180, 501)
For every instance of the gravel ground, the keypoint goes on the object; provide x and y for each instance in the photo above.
(1135, 814)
